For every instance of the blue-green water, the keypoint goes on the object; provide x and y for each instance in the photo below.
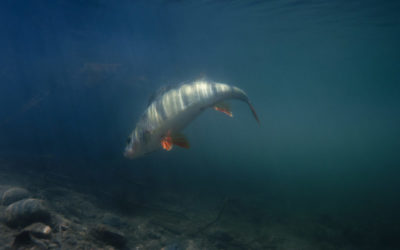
(324, 77)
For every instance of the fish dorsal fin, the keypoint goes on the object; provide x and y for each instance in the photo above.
(177, 139)
(159, 92)
(223, 107)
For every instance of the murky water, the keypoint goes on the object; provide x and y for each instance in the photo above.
(320, 172)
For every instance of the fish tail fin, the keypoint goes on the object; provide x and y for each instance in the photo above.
(241, 95)
(254, 112)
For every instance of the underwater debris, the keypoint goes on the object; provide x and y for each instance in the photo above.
(14, 194)
(26, 211)
(220, 212)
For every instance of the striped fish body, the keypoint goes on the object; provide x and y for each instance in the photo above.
(172, 110)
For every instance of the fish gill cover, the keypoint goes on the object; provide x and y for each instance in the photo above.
(321, 172)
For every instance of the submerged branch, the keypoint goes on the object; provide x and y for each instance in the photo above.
(203, 228)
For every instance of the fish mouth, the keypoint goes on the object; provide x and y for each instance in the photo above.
(128, 153)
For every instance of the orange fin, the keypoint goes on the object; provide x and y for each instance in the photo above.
(166, 143)
(224, 108)
(180, 140)
(177, 139)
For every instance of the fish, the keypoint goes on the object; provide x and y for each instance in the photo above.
(172, 108)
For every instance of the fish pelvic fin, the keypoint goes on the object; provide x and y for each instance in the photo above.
(180, 140)
(166, 143)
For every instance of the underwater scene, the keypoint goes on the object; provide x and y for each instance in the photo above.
(200, 124)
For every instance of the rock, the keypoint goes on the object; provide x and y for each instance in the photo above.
(14, 194)
(59, 223)
(31, 235)
(39, 230)
(22, 239)
(109, 235)
(3, 189)
(25, 212)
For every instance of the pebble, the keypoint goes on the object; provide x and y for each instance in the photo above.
(25, 212)
(39, 230)
(59, 223)
(14, 194)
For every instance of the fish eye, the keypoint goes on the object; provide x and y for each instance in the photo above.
(128, 140)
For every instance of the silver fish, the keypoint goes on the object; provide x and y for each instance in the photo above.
(172, 109)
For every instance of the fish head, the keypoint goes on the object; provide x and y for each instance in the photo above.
(137, 144)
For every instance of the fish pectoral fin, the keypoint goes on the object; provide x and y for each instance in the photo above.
(224, 108)
(177, 139)
(166, 143)
(180, 140)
